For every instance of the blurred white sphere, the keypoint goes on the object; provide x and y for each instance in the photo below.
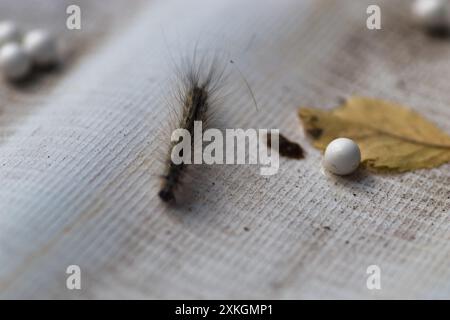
(432, 14)
(342, 156)
(14, 61)
(9, 32)
(41, 46)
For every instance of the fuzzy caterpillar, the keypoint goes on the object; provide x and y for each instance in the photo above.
(195, 97)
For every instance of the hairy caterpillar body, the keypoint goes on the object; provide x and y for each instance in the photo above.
(195, 99)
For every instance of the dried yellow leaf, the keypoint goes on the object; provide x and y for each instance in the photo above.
(391, 137)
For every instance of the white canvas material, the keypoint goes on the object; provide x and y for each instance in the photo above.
(80, 150)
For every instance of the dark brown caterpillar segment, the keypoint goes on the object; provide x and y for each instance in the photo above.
(171, 180)
(195, 105)
(195, 108)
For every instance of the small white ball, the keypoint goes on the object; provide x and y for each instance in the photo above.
(342, 156)
(14, 61)
(41, 46)
(432, 14)
(9, 32)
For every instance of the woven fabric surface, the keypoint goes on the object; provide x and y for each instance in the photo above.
(80, 150)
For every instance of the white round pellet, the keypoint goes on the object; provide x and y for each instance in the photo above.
(41, 46)
(9, 32)
(14, 61)
(342, 156)
(433, 14)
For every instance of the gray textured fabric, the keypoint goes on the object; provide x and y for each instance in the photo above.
(79, 159)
